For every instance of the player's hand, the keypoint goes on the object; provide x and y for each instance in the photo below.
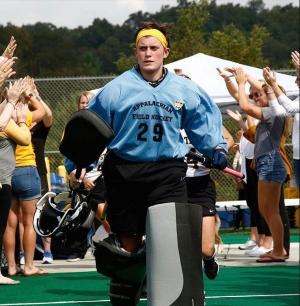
(219, 159)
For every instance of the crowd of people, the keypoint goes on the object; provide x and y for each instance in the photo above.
(157, 117)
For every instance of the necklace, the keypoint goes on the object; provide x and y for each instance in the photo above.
(154, 83)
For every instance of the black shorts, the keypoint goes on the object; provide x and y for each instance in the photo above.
(98, 193)
(133, 187)
(202, 190)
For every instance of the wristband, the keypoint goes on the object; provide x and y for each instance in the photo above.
(270, 92)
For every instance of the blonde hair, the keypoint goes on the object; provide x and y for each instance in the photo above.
(89, 95)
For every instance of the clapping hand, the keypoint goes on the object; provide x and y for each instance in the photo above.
(269, 76)
(33, 87)
(30, 86)
(6, 70)
(224, 74)
(10, 49)
(296, 60)
(239, 73)
(235, 115)
(14, 91)
(21, 112)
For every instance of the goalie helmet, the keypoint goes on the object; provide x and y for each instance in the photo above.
(61, 214)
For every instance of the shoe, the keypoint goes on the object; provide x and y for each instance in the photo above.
(47, 258)
(211, 267)
(75, 257)
(261, 250)
(249, 251)
(249, 245)
(22, 258)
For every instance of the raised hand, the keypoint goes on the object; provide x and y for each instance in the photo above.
(224, 74)
(10, 49)
(269, 76)
(34, 89)
(21, 112)
(15, 90)
(234, 115)
(240, 76)
(6, 70)
(296, 60)
(30, 86)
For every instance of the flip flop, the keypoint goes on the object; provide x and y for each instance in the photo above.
(269, 259)
(286, 256)
(39, 272)
(18, 272)
(12, 282)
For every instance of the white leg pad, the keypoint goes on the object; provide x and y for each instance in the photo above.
(174, 255)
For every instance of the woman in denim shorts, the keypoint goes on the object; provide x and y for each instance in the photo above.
(270, 166)
(26, 191)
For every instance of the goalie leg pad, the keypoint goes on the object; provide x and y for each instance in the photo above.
(174, 255)
(113, 262)
(124, 293)
(126, 269)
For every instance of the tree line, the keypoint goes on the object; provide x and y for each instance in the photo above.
(251, 35)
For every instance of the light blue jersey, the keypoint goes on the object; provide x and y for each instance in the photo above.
(146, 121)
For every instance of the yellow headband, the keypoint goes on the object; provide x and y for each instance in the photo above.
(155, 33)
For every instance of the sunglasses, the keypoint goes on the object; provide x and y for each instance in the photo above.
(255, 95)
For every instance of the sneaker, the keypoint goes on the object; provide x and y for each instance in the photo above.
(211, 267)
(22, 258)
(47, 258)
(249, 245)
(261, 250)
(249, 251)
(75, 257)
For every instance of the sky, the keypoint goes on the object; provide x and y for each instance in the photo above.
(75, 13)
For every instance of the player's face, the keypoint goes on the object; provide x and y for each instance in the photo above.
(83, 102)
(151, 54)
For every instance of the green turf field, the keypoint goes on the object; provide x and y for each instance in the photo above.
(237, 286)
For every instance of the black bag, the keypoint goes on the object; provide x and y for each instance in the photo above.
(85, 137)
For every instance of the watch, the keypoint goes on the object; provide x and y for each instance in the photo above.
(29, 96)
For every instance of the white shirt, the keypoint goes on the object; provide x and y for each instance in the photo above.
(281, 110)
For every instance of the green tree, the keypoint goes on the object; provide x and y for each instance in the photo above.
(124, 62)
(232, 44)
(188, 30)
(256, 5)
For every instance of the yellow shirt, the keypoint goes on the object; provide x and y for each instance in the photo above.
(24, 154)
